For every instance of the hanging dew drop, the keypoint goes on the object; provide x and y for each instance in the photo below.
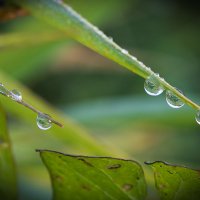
(173, 100)
(198, 117)
(43, 122)
(16, 95)
(152, 86)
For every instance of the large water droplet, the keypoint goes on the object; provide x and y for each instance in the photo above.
(43, 122)
(152, 86)
(173, 100)
(198, 117)
(3, 90)
(16, 95)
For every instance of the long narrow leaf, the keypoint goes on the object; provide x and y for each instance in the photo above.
(8, 182)
(66, 19)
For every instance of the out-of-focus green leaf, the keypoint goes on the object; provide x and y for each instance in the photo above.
(82, 177)
(32, 47)
(99, 12)
(176, 182)
(27, 62)
(114, 112)
(8, 183)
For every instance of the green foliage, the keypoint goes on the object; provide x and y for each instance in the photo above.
(92, 177)
(175, 182)
(82, 177)
(8, 184)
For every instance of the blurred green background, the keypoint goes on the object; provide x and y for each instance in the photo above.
(102, 97)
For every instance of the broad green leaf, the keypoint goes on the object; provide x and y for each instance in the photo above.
(8, 184)
(176, 182)
(81, 177)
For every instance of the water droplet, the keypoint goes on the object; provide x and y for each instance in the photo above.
(152, 86)
(43, 122)
(142, 64)
(111, 39)
(16, 95)
(3, 90)
(173, 100)
(124, 51)
(134, 58)
(198, 117)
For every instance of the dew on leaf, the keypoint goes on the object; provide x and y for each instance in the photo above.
(198, 117)
(173, 100)
(124, 51)
(111, 39)
(152, 86)
(16, 95)
(43, 122)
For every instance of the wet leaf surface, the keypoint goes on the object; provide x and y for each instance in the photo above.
(82, 177)
(176, 182)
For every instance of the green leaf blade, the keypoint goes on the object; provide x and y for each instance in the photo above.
(8, 181)
(82, 177)
(176, 182)
(64, 18)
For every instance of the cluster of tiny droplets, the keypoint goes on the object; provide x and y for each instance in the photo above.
(153, 87)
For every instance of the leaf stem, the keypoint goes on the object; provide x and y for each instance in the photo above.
(39, 112)
(9, 95)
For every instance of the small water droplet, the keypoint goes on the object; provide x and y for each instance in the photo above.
(173, 100)
(16, 95)
(111, 39)
(124, 51)
(198, 117)
(134, 58)
(3, 90)
(142, 64)
(43, 122)
(152, 86)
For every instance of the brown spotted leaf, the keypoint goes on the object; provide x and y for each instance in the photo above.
(176, 182)
(99, 178)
